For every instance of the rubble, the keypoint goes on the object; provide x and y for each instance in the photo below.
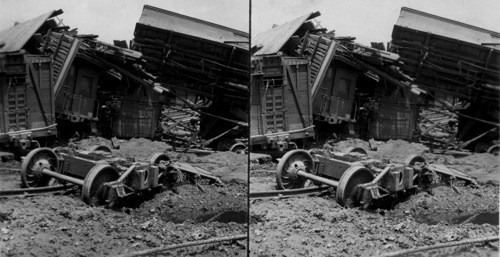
(390, 92)
(75, 92)
(422, 219)
(115, 91)
(432, 85)
(355, 89)
(460, 71)
(204, 66)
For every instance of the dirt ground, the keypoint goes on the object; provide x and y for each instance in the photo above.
(63, 225)
(316, 225)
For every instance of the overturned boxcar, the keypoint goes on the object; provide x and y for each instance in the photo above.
(455, 62)
(204, 66)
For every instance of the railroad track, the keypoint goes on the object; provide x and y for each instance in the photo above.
(287, 193)
(34, 190)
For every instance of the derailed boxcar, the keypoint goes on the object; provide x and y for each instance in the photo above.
(27, 102)
(26, 84)
(281, 105)
(138, 113)
(205, 68)
(456, 62)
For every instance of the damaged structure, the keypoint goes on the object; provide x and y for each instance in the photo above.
(205, 67)
(345, 84)
(458, 64)
(177, 73)
(307, 82)
(26, 84)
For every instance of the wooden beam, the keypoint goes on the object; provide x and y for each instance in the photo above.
(294, 93)
(36, 88)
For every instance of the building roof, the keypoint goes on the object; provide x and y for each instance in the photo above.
(14, 38)
(171, 21)
(437, 25)
(271, 41)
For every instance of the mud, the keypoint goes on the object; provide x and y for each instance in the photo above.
(317, 226)
(63, 225)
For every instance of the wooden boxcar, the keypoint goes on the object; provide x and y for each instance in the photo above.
(456, 62)
(138, 114)
(280, 99)
(27, 102)
(396, 117)
(334, 101)
(77, 98)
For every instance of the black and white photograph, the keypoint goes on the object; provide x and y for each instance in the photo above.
(266, 128)
(374, 128)
(123, 128)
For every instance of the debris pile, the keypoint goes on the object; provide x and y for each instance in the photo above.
(114, 91)
(371, 92)
(205, 68)
(438, 127)
(180, 126)
(347, 82)
(459, 65)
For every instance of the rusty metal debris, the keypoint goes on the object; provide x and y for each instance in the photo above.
(104, 178)
(360, 181)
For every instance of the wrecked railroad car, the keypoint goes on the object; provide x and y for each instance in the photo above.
(459, 65)
(94, 86)
(354, 89)
(281, 106)
(357, 89)
(280, 98)
(102, 90)
(27, 99)
(97, 87)
(27, 111)
(205, 68)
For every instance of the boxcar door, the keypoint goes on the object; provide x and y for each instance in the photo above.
(16, 99)
(274, 108)
(298, 94)
(342, 94)
(85, 94)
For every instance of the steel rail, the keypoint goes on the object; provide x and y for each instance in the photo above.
(34, 190)
(287, 193)
(183, 245)
(443, 245)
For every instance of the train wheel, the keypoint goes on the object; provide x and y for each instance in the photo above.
(422, 178)
(33, 163)
(156, 158)
(411, 159)
(224, 145)
(100, 148)
(290, 163)
(495, 149)
(238, 148)
(356, 149)
(347, 194)
(98, 175)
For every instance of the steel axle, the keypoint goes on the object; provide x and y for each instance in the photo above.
(318, 179)
(60, 176)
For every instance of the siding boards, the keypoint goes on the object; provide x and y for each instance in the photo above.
(280, 95)
(27, 93)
